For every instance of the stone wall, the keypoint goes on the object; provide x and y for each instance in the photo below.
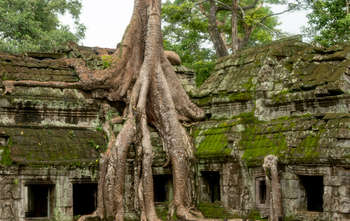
(50, 137)
(287, 98)
(15, 182)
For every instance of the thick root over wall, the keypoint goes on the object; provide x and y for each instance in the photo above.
(273, 185)
(142, 78)
(154, 97)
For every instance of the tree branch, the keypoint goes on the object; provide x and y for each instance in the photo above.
(242, 10)
(223, 6)
(275, 14)
(250, 6)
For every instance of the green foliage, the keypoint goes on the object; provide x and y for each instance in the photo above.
(106, 61)
(16, 181)
(5, 158)
(328, 22)
(185, 30)
(254, 214)
(162, 210)
(5, 154)
(76, 217)
(202, 69)
(214, 210)
(33, 25)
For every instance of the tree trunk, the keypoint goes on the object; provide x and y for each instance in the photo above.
(215, 35)
(234, 24)
(274, 187)
(142, 78)
(156, 98)
(243, 42)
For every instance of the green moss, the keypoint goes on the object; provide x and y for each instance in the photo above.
(256, 147)
(291, 218)
(4, 76)
(196, 132)
(214, 210)
(263, 138)
(213, 142)
(254, 214)
(248, 85)
(209, 210)
(213, 145)
(203, 101)
(5, 156)
(223, 98)
(38, 146)
(247, 118)
(281, 97)
(162, 210)
(106, 61)
(308, 147)
(241, 96)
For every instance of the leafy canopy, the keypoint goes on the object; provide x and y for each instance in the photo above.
(185, 32)
(33, 25)
(329, 21)
(185, 29)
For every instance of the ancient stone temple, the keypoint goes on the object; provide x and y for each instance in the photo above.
(288, 99)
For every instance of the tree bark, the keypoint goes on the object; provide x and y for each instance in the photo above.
(274, 187)
(234, 26)
(215, 35)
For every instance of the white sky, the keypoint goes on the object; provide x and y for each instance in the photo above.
(106, 21)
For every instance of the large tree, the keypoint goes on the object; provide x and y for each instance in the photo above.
(229, 24)
(33, 25)
(185, 31)
(202, 30)
(142, 78)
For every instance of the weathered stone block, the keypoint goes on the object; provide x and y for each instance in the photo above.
(332, 180)
(290, 189)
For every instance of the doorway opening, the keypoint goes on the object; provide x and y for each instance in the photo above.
(314, 187)
(162, 185)
(212, 180)
(39, 200)
(261, 193)
(84, 198)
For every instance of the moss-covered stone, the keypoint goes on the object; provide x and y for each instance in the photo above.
(284, 71)
(212, 141)
(215, 210)
(292, 139)
(5, 156)
(53, 146)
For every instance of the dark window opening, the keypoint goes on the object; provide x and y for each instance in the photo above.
(313, 186)
(38, 200)
(162, 185)
(212, 180)
(4, 140)
(262, 191)
(84, 198)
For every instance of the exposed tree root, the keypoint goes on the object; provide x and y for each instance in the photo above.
(274, 187)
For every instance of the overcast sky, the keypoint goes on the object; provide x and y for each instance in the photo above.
(106, 21)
